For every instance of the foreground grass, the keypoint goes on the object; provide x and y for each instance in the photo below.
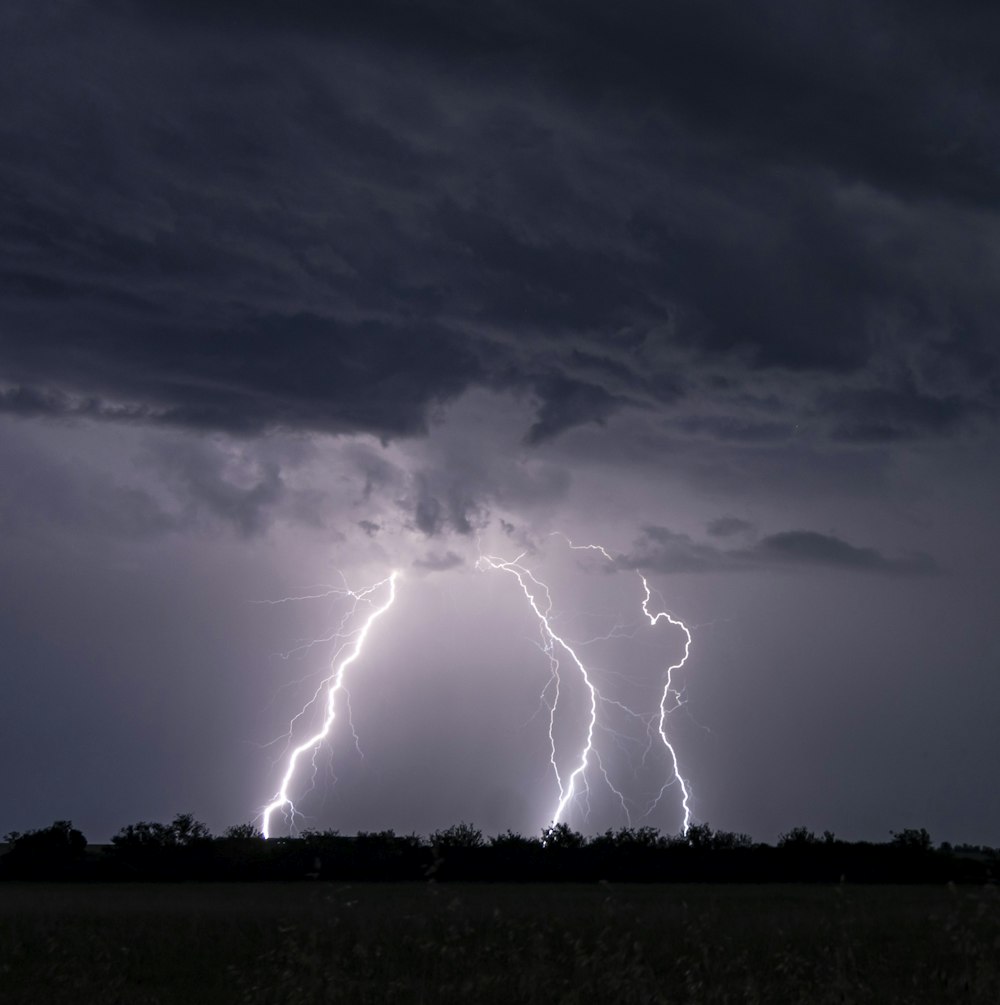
(285, 943)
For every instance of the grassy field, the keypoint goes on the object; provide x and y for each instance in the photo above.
(202, 943)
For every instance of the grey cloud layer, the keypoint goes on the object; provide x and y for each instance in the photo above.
(335, 217)
(663, 550)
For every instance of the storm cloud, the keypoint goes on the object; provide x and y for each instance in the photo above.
(664, 550)
(235, 217)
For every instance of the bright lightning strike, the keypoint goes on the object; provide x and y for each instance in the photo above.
(540, 600)
(670, 692)
(551, 640)
(332, 685)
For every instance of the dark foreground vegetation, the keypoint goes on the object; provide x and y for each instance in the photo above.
(185, 850)
(165, 943)
(626, 916)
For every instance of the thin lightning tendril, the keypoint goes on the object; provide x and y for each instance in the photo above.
(567, 789)
(552, 643)
(333, 684)
(668, 692)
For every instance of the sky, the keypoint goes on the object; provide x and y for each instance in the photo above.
(295, 295)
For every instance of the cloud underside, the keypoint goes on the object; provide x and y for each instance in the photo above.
(436, 561)
(661, 550)
(245, 217)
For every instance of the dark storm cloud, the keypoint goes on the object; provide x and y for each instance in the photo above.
(337, 216)
(663, 550)
(294, 372)
(885, 414)
(727, 428)
(435, 561)
(728, 526)
(568, 403)
(32, 402)
(445, 505)
(871, 88)
(807, 547)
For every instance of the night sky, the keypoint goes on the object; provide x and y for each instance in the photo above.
(293, 294)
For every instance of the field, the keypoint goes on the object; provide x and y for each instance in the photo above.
(204, 943)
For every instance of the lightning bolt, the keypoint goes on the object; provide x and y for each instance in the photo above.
(540, 601)
(332, 685)
(552, 641)
(670, 692)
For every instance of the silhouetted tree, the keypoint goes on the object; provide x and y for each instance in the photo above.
(52, 851)
(461, 835)
(561, 836)
(242, 853)
(699, 836)
(513, 856)
(180, 848)
(244, 832)
(184, 849)
(730, 840)
(185, 830)
(458, 852)
(798, 837)
(141, 835)
(912, 839)
(627, 838)
(511, 839)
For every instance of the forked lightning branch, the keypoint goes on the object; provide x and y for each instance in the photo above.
(378, 598)
(567, 671)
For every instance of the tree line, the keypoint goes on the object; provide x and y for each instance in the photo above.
(185, 849)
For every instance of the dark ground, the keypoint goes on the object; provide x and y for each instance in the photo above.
(195, 943)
